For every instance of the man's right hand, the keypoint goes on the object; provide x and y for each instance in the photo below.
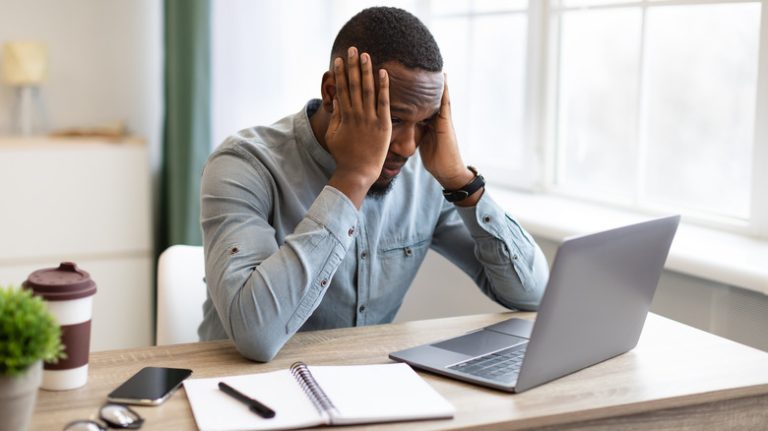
(360, 128)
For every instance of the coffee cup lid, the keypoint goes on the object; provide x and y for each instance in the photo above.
(61, 284)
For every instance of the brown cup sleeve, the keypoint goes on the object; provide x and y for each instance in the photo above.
(76, 340)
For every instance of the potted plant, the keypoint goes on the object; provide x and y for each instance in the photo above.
(29, 335)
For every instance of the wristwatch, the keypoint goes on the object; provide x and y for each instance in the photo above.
(459, 195)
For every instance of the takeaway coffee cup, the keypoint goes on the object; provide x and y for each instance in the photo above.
(68, 292)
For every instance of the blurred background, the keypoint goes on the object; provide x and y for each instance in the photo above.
(582, 114)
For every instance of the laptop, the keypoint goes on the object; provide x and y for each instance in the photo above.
(594, 307)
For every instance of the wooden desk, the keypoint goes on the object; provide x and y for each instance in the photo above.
(677, 378)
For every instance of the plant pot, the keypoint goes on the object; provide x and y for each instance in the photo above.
(17, 398)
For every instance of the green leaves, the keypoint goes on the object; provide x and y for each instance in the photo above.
(28, 332)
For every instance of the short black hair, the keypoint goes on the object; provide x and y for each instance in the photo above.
(389, 34)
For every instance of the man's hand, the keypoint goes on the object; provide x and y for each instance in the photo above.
(440, 154)
(360, 128)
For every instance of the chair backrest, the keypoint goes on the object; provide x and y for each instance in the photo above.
(180, 294)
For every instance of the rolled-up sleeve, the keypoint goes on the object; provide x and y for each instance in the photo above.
(263, 292)
(492, 248)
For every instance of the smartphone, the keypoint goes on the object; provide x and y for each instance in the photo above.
(150, 386)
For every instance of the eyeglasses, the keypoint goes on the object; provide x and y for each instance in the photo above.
(114, 415)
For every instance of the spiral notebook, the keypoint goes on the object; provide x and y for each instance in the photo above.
(306, 396)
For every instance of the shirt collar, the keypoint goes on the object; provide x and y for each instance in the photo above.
(306, 137)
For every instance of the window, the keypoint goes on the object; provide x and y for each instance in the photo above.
(485, 49)
(655, 105)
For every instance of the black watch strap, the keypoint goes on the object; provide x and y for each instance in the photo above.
(459, 195)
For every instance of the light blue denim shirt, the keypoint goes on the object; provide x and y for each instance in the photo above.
(285, 252)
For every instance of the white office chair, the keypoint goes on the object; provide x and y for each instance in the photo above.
(180, 294)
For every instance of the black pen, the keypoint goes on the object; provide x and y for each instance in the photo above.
(253, 405)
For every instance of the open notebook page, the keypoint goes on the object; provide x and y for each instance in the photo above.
(216, 411)
(379, 393)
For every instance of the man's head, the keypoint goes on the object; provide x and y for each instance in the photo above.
(398, 42)
(389, 34)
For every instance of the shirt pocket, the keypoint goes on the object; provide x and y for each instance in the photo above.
(398, 263)
(408, 250)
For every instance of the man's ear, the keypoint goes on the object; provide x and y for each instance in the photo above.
(328, 91)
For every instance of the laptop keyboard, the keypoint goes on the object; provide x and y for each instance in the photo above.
(499, 365)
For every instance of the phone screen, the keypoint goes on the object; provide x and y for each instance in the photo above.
(151, 385)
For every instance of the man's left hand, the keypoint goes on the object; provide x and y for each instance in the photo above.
(440, 154)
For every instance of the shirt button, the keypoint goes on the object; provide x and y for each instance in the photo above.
(514, 257)
(487, 219)
(324, 282)
(351, 231)
(363, 255)
(361, 309)
(408, 251)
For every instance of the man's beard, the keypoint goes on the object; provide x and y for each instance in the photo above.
(383, 184)
(380, 189)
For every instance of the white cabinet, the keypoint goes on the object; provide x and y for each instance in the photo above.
(86, 201)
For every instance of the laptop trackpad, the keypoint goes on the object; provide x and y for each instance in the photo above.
(480, 342)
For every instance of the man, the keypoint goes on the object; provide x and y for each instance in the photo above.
(322, 219)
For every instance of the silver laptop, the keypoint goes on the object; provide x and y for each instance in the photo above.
(599, 292)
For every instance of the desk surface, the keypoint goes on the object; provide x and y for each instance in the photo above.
(676, 378)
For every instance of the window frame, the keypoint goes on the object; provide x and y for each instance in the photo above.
(759, 215)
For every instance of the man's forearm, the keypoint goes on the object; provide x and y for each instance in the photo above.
(516, 269)
(264, 293)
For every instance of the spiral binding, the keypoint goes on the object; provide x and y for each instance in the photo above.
(309, 385)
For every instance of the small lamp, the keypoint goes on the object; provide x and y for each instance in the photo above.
(25, 66)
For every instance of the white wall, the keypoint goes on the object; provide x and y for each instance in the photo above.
(106, 65)
(269, 56)
(264, 65)
(105, 62)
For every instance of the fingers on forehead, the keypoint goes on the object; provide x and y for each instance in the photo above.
(383, 102)
(369, 99)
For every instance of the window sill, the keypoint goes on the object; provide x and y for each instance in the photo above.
(710, 254)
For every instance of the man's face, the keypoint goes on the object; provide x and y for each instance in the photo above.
(414, 96)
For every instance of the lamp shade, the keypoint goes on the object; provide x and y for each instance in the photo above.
(24, 63)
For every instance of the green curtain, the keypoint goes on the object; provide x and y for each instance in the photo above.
(187, 135)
